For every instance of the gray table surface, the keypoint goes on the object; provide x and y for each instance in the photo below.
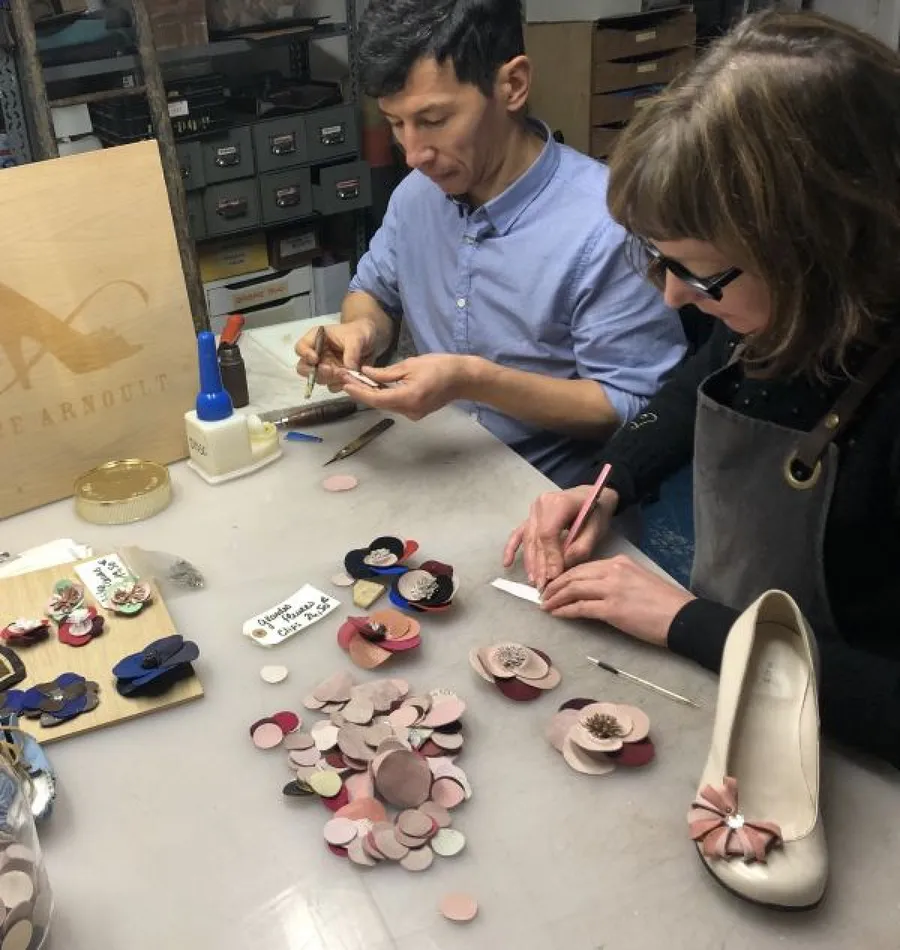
(171, 831)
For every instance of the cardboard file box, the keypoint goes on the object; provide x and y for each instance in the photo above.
(256, 290)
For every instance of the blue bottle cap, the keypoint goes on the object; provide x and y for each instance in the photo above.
(213, 402)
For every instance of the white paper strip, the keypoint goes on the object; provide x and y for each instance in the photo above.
(52, 554)
(522, 591)
(298, 612)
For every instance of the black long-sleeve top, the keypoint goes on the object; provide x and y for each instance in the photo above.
(860, 675)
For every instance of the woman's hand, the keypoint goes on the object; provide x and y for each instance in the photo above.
(541, 538)
(621, 593)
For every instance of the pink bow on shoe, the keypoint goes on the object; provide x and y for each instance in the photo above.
(722, 831)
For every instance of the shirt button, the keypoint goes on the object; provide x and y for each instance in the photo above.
(461, 303)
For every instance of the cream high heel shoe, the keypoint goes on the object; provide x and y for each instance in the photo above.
(756, 817)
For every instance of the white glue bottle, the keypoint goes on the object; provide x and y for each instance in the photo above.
(223, 444)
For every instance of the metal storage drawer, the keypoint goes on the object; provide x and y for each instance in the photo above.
(232, 206)
(342, 187)
(286, 196)
(229, 156)
(331, 133)
(280, 143)
(190, 157)
(196, 218)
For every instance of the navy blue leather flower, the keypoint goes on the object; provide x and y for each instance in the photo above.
(54, 703)
(384, 556)
(157, 667)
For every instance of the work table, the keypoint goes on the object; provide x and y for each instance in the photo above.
(171, 831)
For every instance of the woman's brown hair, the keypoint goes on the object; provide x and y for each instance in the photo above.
(781, 147)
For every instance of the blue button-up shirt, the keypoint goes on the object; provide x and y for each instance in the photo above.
(536, 279)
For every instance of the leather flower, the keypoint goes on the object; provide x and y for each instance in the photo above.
(384, 555)
(429, 588)
(80, 627)
(521, 673)
(25, 632)
(595, 737)
(371, 641)
(65, 598)
(157, 667)
(129, 597)
(54, 703)
(719, 828)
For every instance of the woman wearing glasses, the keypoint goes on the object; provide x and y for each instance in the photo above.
(764, 187)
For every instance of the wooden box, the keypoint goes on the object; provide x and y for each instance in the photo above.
(657, 68)
(590, 75)
(178, 23)
(97, 348)
(638, 36)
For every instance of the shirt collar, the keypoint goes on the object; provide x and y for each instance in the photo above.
(504, 210)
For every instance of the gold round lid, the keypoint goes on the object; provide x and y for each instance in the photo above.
(123, 492)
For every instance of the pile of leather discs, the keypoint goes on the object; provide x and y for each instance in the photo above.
(382, 749)
(25, 898)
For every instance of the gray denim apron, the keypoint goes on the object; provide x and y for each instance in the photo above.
(762, 493)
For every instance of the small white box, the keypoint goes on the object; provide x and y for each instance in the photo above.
(237, 295)
(330, 285)
(559, 11)
(285, 311)
(70, 121)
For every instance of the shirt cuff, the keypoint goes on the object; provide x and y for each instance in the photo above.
(357, 288)
(699, 632)
(627, 405)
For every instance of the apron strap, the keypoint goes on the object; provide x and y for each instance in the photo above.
(804, 465)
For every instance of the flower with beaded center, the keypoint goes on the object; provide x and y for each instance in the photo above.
(722, 831)
(65, 598)
(129, 596)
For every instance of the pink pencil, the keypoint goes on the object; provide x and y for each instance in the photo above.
(588, 508)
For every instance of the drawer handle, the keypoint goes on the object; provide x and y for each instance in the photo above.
(186, 172)
(228, 156)
(283, 144)
(333, 135)
(288, 197)
(349, 189)
(230, 208)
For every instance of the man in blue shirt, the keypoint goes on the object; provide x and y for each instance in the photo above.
(497, 251)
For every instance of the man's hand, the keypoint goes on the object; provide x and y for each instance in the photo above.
(347, 346)
(541, 538)
(621, 593)
(416, 387)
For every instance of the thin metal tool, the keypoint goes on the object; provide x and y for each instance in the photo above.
(368, 436)
(675, 697)
(320, 349)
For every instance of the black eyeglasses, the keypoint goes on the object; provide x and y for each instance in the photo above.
(710, 287)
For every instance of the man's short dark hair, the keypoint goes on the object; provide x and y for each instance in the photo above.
(477, 36)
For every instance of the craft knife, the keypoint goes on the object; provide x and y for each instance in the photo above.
(368, 436)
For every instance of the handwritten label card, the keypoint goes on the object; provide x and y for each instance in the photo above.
(99, 574)
(298, 612)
